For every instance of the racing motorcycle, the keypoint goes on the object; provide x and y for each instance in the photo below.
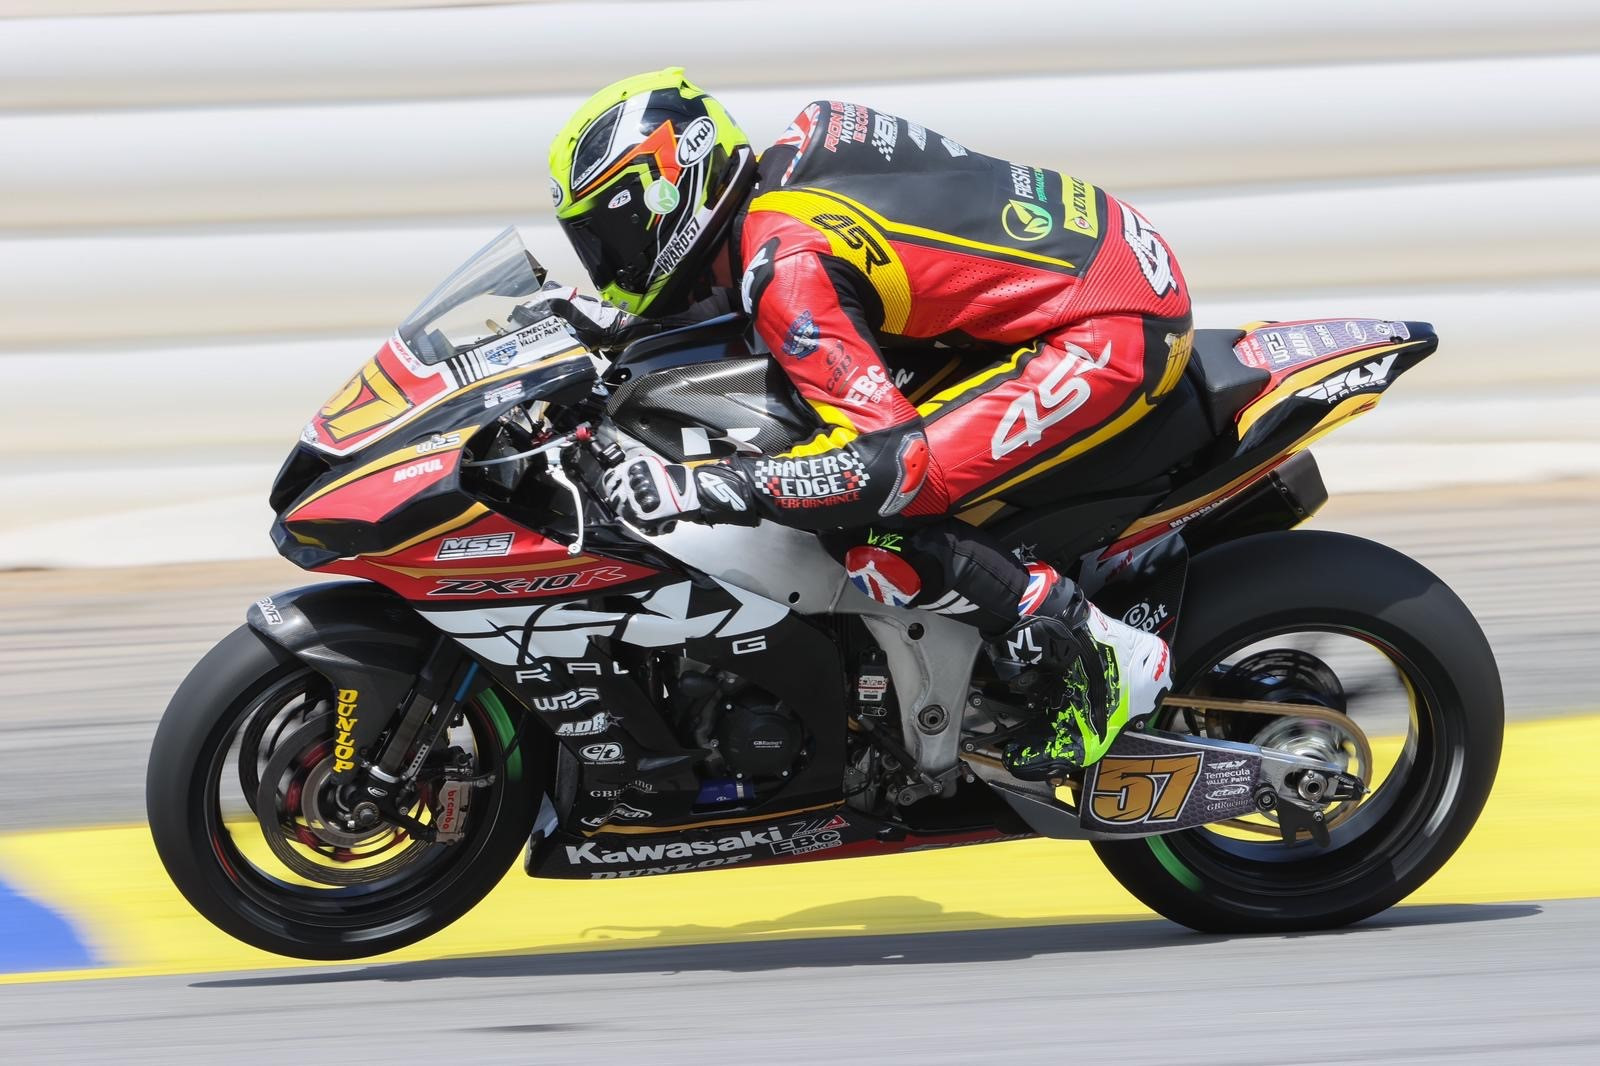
(504, 663)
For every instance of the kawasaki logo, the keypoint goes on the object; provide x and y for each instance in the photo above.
(590, 852)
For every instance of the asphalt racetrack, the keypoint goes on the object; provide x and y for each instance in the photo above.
(1025, 948)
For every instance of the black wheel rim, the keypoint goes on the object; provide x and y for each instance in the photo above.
(323, 913)
(1390, 828)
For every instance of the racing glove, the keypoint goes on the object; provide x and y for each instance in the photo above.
(594, 322)
(654, 494)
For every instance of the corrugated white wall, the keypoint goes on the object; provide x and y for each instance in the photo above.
(207, 218)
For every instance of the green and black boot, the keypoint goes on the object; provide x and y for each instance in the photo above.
(1089, 674)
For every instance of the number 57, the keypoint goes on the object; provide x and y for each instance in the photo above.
(1143, 790)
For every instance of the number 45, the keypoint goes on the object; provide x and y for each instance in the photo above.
(1143, 790)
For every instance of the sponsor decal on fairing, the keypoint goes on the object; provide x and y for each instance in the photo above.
(566, 701)
(479, 546)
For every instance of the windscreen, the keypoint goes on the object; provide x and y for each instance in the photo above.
(476, 304)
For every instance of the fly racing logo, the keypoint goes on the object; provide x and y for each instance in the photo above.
(1350, 381)
(1023, 647)
(1062, 391)
(1154, 262)
(477, 547)
(591, 852)
(567, 701)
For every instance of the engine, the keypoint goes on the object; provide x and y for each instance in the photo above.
(750, 735)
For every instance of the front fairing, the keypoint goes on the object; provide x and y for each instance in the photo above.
(402, 479)
(380, 461)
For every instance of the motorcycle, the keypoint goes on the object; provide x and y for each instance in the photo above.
(506, 664)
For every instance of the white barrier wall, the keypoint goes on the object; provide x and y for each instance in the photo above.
(207, 217)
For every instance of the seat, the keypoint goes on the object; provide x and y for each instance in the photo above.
(1224, 383)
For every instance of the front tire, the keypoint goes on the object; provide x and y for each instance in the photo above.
(1244, 592)
(211, 857)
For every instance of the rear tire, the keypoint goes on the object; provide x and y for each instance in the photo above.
(1249, 589)
(197, 849)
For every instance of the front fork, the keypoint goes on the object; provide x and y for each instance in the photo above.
(380, 783)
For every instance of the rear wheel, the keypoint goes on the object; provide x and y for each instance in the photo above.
(246, 813)
(1351, 625)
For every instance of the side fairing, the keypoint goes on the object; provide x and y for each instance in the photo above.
(588, 668)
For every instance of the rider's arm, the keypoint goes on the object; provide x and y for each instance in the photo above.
(870, 457)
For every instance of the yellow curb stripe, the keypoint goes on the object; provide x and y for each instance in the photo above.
(1534, 841)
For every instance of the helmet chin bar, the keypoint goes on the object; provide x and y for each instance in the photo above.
(679, 291)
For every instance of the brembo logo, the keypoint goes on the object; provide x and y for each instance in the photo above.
(344, 745)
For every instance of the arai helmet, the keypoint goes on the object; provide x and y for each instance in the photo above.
(646, 179)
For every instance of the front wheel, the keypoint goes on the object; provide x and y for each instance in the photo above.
(1321, 617)
(244, 810)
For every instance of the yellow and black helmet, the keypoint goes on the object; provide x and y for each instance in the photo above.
(646, 178)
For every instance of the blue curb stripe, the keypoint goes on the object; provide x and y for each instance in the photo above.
(34, 937)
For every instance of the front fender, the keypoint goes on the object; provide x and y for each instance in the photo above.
(362, 638)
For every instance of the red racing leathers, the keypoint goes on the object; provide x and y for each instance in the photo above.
(868, 231)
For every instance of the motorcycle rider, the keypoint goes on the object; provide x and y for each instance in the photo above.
(859, 234)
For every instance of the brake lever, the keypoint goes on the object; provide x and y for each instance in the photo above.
(558, 474)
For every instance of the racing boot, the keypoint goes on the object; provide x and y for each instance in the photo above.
(1088, 674)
